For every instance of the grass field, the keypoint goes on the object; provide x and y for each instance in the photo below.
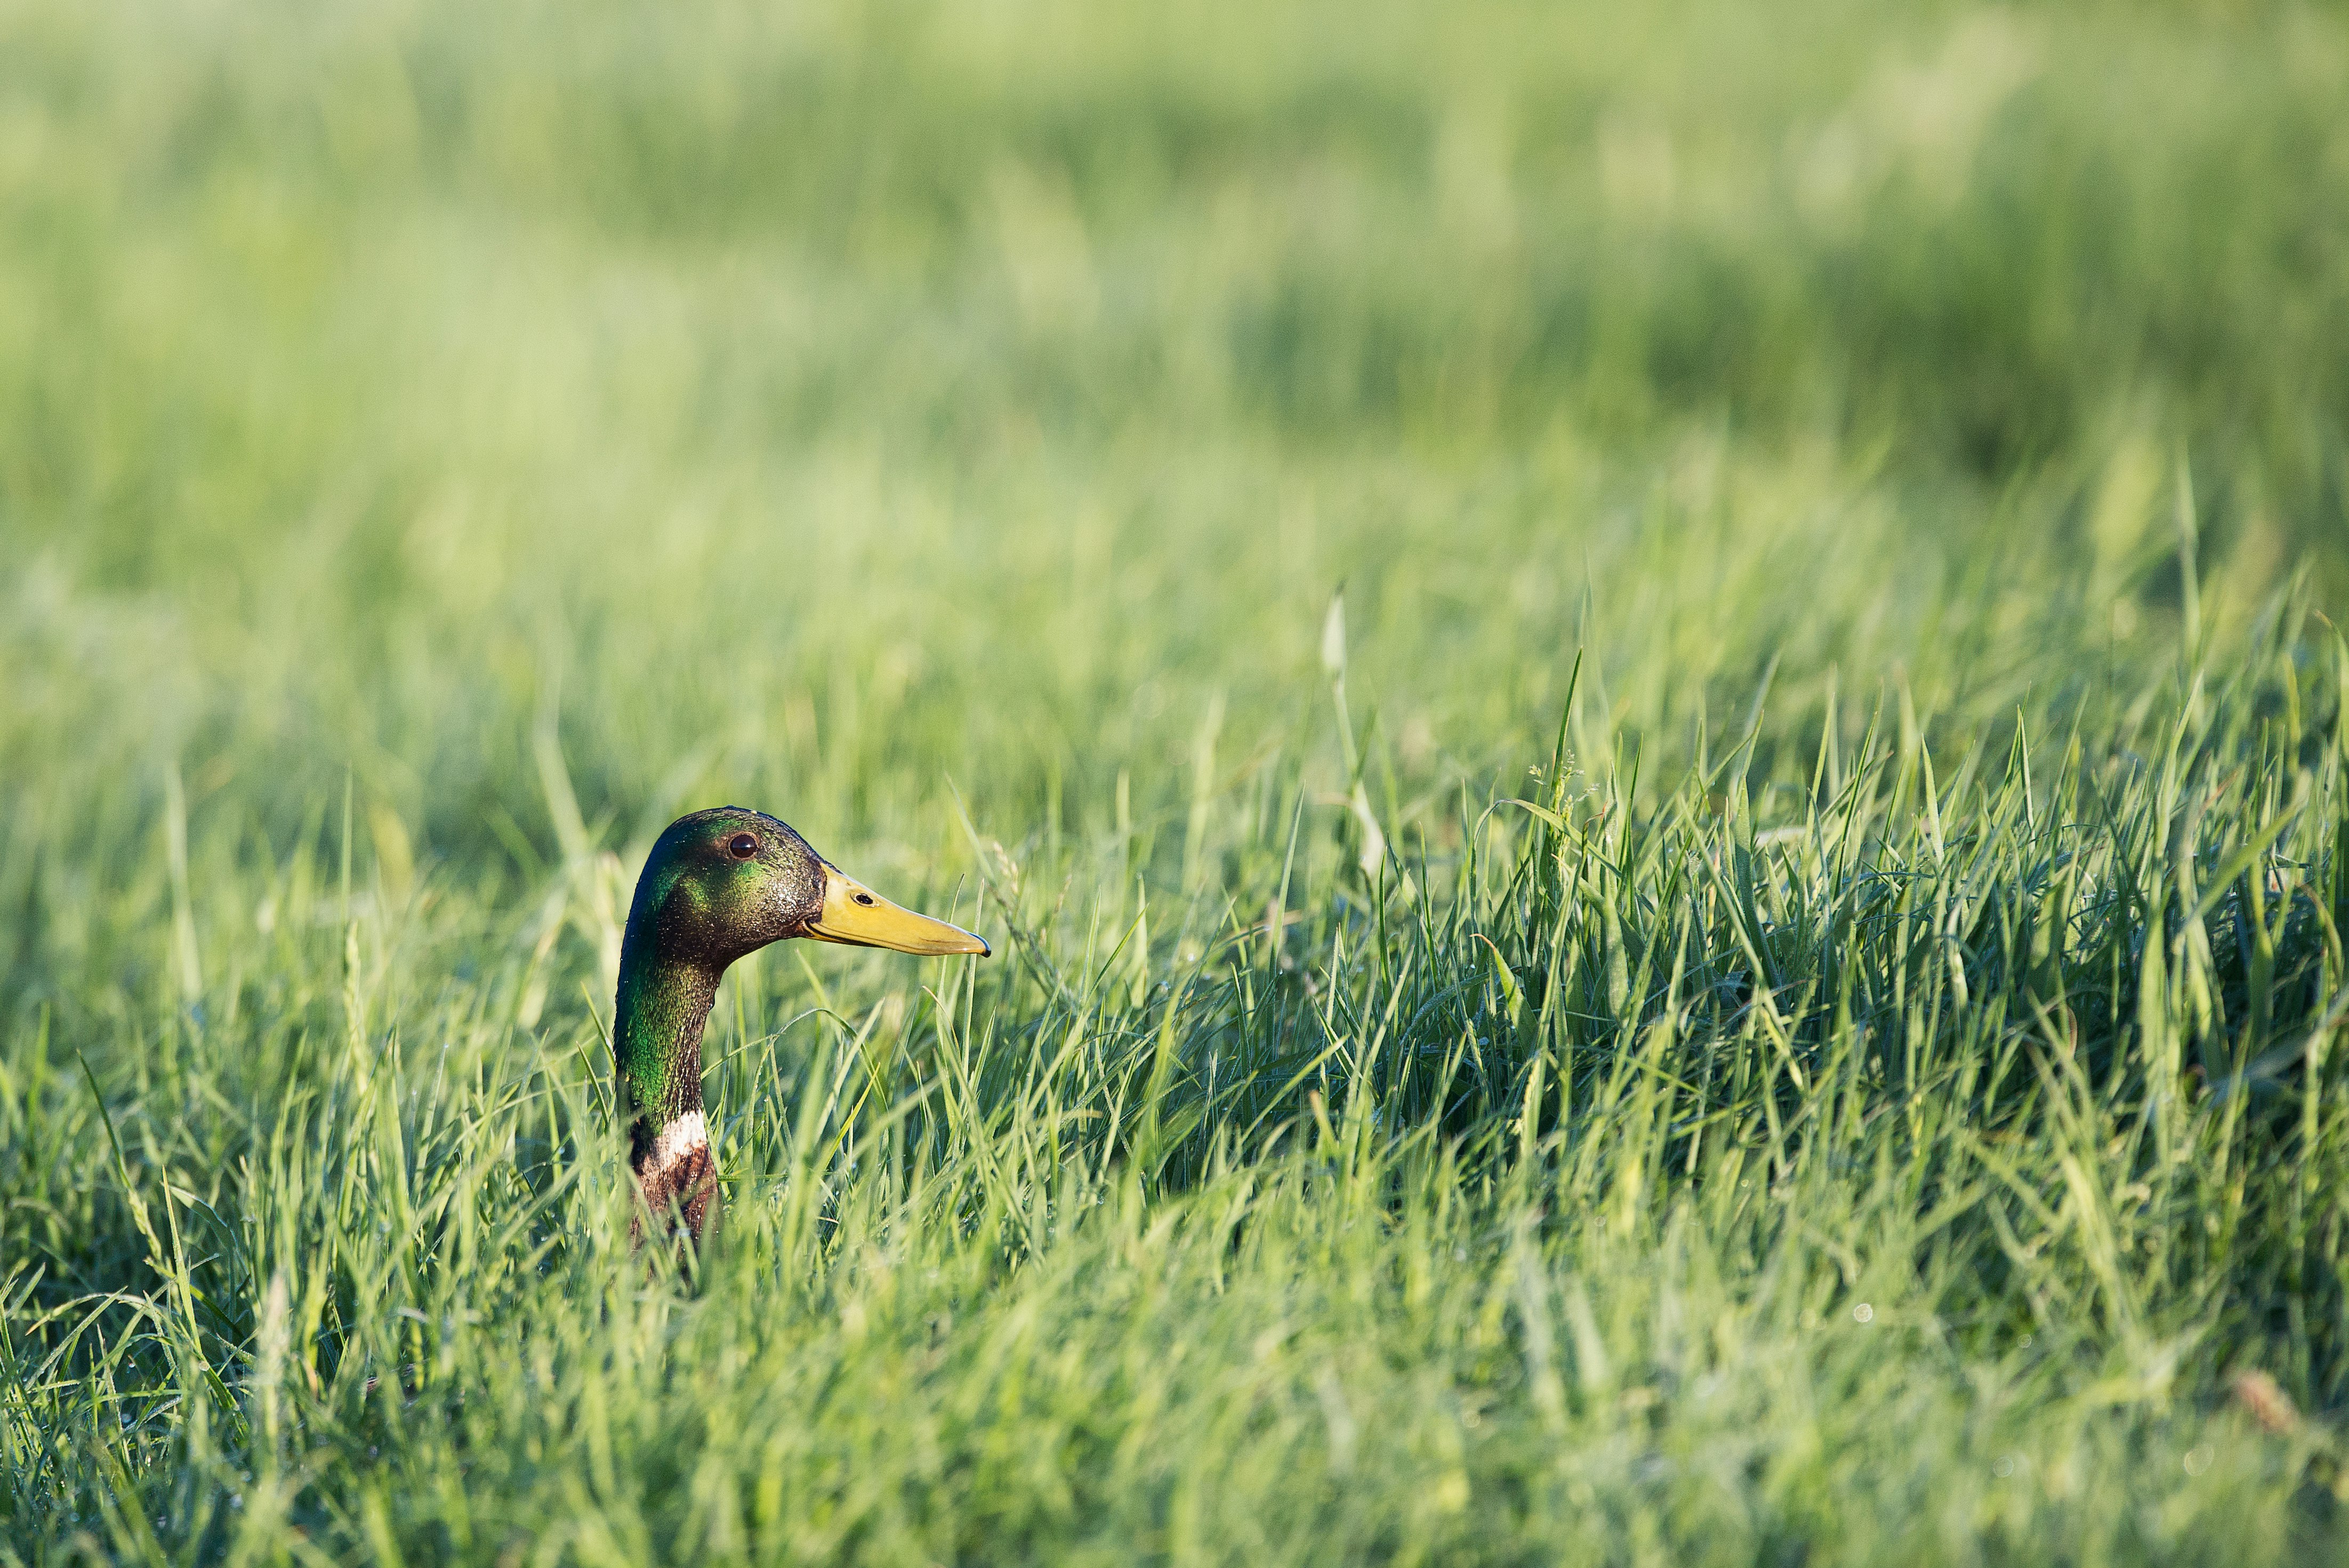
(1642, 706)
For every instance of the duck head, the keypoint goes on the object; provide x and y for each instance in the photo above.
(719, 884)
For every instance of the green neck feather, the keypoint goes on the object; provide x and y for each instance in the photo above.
(663, 1006)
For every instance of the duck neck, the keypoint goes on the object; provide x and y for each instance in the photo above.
(658, 1015)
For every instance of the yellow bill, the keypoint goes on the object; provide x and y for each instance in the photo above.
(857, 917)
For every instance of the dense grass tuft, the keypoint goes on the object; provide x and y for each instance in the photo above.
(1644, 711)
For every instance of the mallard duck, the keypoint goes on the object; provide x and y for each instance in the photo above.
(719, 884)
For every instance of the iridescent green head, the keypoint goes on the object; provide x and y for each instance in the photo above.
(726, 881)
(719, 884)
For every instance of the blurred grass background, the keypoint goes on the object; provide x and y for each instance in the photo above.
(448, 441)
(1029, 375)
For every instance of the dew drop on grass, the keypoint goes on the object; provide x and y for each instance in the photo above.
(1863, 1313)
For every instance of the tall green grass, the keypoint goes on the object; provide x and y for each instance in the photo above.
(1644, 711)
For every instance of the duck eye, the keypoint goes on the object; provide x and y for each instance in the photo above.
(742, 846)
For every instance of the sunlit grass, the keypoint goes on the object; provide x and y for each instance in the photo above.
(1643, 712)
